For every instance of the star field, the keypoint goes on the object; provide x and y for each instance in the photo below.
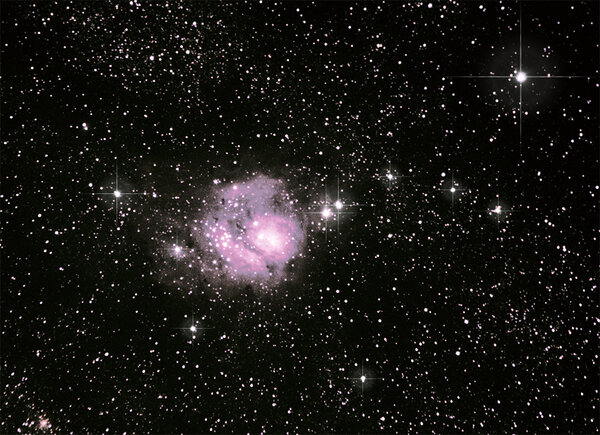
(300, 217)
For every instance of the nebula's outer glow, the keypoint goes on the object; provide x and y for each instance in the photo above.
(252, 230)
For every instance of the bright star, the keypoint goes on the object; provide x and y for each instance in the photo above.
(453, 189)
(338, 204)
(521, 77)
(390, 176)
(117, 194)
(363, 378)
(497, 210)
(193, 328)
(326, 213)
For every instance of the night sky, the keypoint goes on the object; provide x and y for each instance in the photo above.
(300, 217)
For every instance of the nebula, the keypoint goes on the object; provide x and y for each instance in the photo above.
(251, 230)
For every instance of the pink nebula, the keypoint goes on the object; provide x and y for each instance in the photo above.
(252, 229)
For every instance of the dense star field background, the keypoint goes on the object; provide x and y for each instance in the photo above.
(453, 287)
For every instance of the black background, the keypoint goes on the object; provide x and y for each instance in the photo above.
(89, 307)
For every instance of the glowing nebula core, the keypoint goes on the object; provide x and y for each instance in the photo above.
(252, 229)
